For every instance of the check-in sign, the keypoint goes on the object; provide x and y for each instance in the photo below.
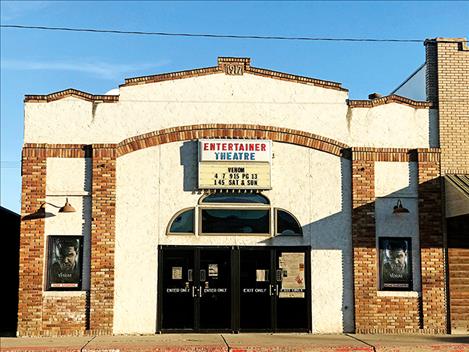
(234, 164)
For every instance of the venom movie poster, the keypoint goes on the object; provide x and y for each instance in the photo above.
(65, 262)
(395, 263)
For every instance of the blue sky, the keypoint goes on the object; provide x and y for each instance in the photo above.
(41, 62)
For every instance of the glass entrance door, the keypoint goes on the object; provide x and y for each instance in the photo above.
(245, 289)
(274, 289)
(292, 302)
(256, 295)
(215, 289)
(178, 290)
(195, 292)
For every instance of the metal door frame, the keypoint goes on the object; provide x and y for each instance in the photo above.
(235, 287)
(196, 283)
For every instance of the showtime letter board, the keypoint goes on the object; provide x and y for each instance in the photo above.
(234, 164)
(216, 175)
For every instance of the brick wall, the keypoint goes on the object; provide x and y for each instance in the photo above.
(31, 242)
(392, 314)
(103, 238)
(431, 241)
(374, 314)
(64, 315)
(448, 86)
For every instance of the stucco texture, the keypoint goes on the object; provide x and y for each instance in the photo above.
(153, 184)
(219, 98)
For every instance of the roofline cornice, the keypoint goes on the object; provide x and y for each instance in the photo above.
(393, 98)
(71, 92)
(220, 68)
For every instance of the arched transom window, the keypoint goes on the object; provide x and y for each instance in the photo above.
(234, 213)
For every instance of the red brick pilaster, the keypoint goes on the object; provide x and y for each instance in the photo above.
(363, 240)
(31, 242)
(102, 238)
(64, 315)
(373, 313)
(431, 241)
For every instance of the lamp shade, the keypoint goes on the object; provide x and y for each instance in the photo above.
(399, 208)
(67, 208)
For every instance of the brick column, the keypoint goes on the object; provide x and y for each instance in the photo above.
(31, 242)
(431, 242)
(102, 238)
(363, 241)
(374, 313)
(448, 85)
(431, 71)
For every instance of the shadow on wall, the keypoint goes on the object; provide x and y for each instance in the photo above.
(189, 161)
(329, 238)
(86, 231)
(10, 266)
(327, 235)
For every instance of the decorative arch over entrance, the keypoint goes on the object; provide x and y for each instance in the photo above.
(190, 132)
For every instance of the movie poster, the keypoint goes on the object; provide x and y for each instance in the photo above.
(395, 263)
(293, 275)
(65, 262)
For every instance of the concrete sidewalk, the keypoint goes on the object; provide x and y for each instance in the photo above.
(239, 343)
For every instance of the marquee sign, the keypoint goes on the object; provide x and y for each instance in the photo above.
(235, 150)
(234, 163)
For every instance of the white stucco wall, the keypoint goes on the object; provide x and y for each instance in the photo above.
(70, 178)
(220, 98)
(155, 183)
(137, 221)
(391, 125)
(314, 186)
(394, 181)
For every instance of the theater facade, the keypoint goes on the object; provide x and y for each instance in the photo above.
(231, 198)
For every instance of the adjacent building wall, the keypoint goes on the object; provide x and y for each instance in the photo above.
(448, 87)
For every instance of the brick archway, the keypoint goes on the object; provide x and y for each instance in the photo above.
(190, 132)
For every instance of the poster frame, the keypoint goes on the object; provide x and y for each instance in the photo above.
(386, 284)
(53, 258)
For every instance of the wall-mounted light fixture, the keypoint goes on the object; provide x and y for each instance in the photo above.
(67, 208)
(399, 208)
(41, 212)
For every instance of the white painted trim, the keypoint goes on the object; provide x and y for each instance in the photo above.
(63, 293)
(55, 193)
(398, 294)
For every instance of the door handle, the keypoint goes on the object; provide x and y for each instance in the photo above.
(273, 290)
(196, 291)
